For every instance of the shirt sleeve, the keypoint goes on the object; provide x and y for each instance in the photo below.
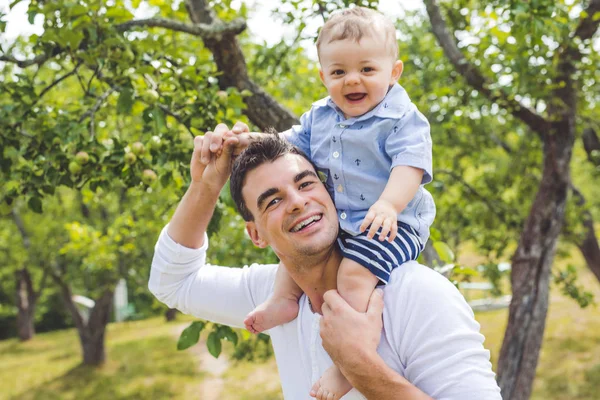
(409, 143)
(440, 344)
(299, 135)
(180, 279)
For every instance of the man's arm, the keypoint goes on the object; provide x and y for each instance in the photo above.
(355, 351)
(210, 168)
(179, 276)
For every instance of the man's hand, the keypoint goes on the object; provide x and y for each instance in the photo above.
(382, 215)
(348, 334)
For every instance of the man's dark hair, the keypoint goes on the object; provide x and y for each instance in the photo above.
(267, 148)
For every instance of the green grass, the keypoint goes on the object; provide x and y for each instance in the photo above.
(142, 364)
(249, 381)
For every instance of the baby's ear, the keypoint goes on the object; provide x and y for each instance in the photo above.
(397, 71)
(322, 76)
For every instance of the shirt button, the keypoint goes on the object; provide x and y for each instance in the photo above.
(340, 188)
(336, 154)
(343, 126)
(343, 215)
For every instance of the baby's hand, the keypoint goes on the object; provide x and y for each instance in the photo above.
(382, 215)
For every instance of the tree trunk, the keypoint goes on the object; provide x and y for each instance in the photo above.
(26, 302)
(91, 332)
(171, 314)
(588, 245)
(531, 265)
(93, 335)
(263, 110)
(591, 143)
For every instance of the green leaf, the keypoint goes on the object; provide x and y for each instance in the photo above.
(159, 120)
(31, 16)
(444, 251)
(35, 204)
(14, 3)
(214, 344)
(228, 333)
(125, 102)
(190, 335)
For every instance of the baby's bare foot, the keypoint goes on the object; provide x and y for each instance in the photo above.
(333, 385)
(271, 313)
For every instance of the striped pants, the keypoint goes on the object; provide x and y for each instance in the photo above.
(381, 257)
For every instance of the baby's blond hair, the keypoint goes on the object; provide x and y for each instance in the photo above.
(354, 23)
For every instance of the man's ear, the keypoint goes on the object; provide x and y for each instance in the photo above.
(397, 71)
(255, 236)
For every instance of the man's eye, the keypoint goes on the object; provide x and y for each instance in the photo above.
(305, 184)
(272, 203)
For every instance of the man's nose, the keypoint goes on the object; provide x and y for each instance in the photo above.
(296, 201)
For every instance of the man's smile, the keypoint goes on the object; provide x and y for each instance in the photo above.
(306, 222)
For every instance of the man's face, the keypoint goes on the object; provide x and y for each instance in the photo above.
(292, 210)
(357, 75)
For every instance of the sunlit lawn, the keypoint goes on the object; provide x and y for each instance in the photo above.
(143, 363)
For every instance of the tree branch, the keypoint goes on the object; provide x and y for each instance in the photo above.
(21, 227)
(202, 30)
(585, 30)
(214, 30)
(96, 107)
(177, 117)
(57, 81)
(588, 244)
(474, 77)
(500, 213)
(68, 299)
(591, 143)
(38, 60)
(262, 110)
(568, 54)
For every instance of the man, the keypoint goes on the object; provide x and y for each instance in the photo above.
(428, 345)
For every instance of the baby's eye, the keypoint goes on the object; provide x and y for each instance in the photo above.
(368, 69)
(338, 72)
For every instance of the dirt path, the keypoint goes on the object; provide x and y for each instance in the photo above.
(211, 387)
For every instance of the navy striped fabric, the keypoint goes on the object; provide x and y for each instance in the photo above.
(381, 257)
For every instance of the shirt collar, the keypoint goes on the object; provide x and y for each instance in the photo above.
(393, 105)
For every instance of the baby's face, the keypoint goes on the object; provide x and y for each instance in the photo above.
(357, 75)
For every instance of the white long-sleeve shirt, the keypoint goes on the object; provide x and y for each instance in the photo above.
(429, 335)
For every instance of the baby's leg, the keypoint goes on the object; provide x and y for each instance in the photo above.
(280, 308)
(355, 284)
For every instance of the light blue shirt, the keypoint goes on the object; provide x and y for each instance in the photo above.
(355, 156)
